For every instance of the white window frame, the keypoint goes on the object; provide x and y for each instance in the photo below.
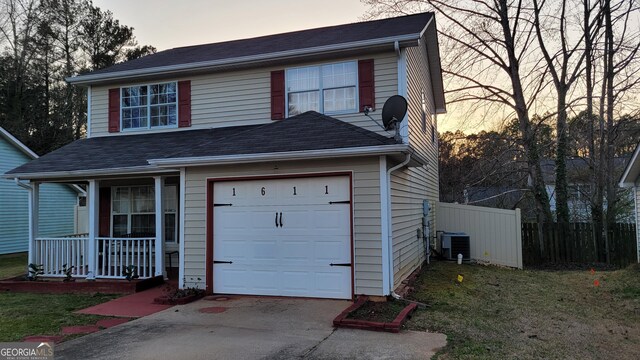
(149, 127)
(130, 213)
(174, 189)
(321, 88)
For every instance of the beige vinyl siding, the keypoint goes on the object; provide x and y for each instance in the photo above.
(243, 97)
(410, 186)
(366, 208)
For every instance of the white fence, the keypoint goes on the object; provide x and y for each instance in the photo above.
(496, 234)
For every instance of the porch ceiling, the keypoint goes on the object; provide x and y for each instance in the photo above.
(123, 154)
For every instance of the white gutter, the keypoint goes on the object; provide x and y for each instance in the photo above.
(159, 166)
(242, 60)
(22, 147)
(624, 179)
(390, 223)
(98, 172)
(288, 155)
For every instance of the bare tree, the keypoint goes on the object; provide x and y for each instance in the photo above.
(565, 65)
(489, 43)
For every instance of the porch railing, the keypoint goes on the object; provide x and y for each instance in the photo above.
(116, 255)
(56, 254)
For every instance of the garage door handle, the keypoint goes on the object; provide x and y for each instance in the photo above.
(222, 262)
(340, 264)
(280, 219)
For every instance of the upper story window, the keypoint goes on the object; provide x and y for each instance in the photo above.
(328, 89)
(149, 106)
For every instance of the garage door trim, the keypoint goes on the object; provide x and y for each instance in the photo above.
(210, 216)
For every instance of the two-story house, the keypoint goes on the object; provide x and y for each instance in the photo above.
(254, 160)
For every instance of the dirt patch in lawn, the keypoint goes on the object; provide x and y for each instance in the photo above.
(530, 314)
(384, 312)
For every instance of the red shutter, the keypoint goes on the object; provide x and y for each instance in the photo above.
(104, 217)
(366, 87)
(114, 110)
(184, 103)
(277, 95)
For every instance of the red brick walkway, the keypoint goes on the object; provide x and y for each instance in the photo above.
(134, 305)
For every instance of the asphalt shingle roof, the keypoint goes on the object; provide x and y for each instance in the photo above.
(307, 131)
(331, 35)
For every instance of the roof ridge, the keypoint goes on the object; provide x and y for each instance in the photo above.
(303, 30)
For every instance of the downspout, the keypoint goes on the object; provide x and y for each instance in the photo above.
(32, 223)
(390, 224)
(396, 47)
(22, 185)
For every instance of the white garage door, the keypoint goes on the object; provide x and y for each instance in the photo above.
(285, 237)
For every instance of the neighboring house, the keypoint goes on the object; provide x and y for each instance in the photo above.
(57, 201)
(578, 178)
(254, 160)
(631, 179)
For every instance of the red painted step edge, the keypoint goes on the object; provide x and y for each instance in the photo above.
(394, 326)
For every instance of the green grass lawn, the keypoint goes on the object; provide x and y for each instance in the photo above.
(13, 265)
(499, 313)
(23, 314)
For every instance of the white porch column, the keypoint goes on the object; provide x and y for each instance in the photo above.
(34, 212)
(93, 204)
(181, 198)
(160, 269)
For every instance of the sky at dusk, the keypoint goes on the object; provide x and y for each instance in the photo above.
(169, 24)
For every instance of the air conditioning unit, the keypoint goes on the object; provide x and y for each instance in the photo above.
(453, 243)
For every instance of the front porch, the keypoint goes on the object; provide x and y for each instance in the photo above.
(131, 231)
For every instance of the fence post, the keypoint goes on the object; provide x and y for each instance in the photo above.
(518, 237)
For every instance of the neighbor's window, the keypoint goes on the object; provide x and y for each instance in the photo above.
(149, 106)
(326, 89)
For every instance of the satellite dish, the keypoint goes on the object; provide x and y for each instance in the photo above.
(393, 111)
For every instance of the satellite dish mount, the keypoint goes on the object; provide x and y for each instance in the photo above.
(393, 111)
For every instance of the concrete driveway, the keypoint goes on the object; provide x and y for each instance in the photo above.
(248, 328)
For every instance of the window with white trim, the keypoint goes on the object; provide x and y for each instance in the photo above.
(170, 213)
(149, 106)
(328, 89)
(133, 212)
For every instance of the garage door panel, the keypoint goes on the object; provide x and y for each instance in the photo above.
(331, 251)
(289, 260)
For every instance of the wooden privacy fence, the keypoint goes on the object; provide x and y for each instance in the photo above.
(578, 243)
